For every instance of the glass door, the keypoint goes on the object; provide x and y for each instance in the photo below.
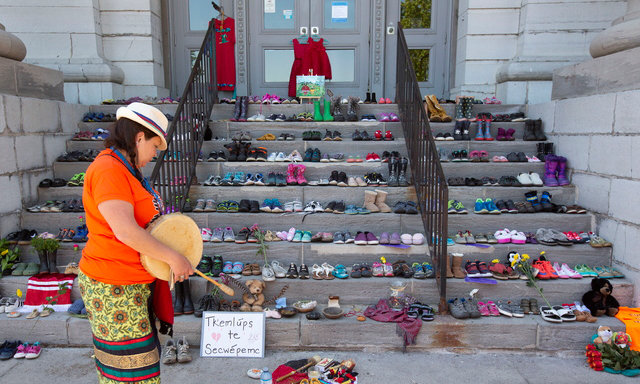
(427, 26)
(344, 25)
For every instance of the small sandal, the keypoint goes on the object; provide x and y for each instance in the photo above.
(35, 313)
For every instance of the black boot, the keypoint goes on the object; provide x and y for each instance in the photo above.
(178, 299)
(44, 265)
(52, 257)
(465, 130)
(540, 150)
(537, 128)
(237, 109)
(337, 109)
(186, 293)
(393, 172)
(373, 98)
(402, 174)
(352, 110)
(244, 104)
(548, 149)
(368, 99)
(529, 133)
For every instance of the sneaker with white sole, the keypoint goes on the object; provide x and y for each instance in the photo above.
(294, 156)
(272, 156)
(278, 269)
(503, 236)
(169, 354)
(517, 237)
(280, 157)
(268, 273)
(182, 347)
(525, 179)
(535, 179)
(206, 234)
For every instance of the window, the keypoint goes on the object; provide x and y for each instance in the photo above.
(415, 14)
(420, 60)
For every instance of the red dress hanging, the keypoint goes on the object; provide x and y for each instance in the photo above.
(225, 54)
(310, 56)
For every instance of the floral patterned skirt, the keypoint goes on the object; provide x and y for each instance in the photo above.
(125, 342)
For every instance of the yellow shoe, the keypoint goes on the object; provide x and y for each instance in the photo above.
(267, 137)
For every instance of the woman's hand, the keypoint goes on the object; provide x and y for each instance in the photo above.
(181, 267)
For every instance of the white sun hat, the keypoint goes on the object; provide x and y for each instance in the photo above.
(149, 117)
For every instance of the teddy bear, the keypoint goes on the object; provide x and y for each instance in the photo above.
(604, 335)
(254, 299)
(599, 299)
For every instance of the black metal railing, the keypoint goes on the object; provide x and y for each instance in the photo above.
(175, 168)
(426, 171)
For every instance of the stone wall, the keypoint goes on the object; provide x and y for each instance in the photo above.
(510, 48)
(33, 132)
(600, 137)
(105, 48)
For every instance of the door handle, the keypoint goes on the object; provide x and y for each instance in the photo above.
(304, 31)
(315, 30)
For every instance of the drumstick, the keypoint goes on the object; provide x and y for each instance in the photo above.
(224, 288)
(312, 361)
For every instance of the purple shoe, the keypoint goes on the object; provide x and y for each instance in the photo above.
(371, 239)
(395, 239)
(361, 239)
(384, 117)
(562, 165)
(550, 167)
(384, 238)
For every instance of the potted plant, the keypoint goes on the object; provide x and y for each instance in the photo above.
(47, 250)
(8, 257)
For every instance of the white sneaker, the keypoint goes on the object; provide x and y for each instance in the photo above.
(503, 236)
(525, 179)
(272, 156)
(318, 207)
(535, 179)
(570, 272)
(294, 156)
(561, 273)
(310, 207)
(206, 234)
(288, 207)
(278, 269)
(268, 273)
(260, 117)
(13, 304)
(297, 206)
(252, 118)
(281, 157)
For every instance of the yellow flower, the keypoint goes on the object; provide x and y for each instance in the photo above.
(543, 253)
(513, 263)
(525, 257)
(4, 252)
(495, 261)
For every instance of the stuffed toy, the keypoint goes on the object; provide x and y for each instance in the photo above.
(599, 299)
(604, 335)
(253, 299)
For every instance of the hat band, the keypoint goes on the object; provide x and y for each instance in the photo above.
(148, 120)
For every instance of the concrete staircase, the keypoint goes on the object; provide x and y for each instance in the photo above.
(299, 333)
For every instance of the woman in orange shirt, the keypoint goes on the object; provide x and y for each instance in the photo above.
(122, 299)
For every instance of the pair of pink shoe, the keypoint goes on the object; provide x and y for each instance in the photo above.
(27, 351)
(270, 99)
(387, 117)
(295, 174)
(488, 309)
(382, 269)
(384, 101)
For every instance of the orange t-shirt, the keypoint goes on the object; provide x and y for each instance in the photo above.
(105, 258)
(631, 318)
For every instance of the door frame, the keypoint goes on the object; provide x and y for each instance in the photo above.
(441, 66)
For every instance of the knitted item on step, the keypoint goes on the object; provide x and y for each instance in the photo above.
(40, 286)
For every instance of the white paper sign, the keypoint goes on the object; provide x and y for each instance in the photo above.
(232, 334)
(269, 6)
(339, 11)
(287, 13)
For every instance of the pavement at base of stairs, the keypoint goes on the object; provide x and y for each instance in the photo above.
(75, 366)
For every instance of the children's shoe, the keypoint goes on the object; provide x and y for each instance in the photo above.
(33, 351)
(21, 352)
(378, 269)
(480, 207)
(228, 267)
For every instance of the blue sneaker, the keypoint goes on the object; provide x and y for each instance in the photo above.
(276, 206)
(351, 210)
(81, 234)
(450, 242)
(266, 205)
(490, 207)
(480, 207)
(228, 179)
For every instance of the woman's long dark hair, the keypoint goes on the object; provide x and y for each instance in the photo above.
(122, 136)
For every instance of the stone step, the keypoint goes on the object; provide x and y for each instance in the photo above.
(500, 148)
(477, 223)
(112, 108)
(347, 146)
(324, 194)
(297, 333)
(490, 169)
(314, 171)
(283, 251)
(289, 193)
(473, 128)
(573, 255)
(319, 222)
(366, 291)
(229, 128)
(225, 111)
(494, 109)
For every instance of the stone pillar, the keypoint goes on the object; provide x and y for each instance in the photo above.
(615, 65)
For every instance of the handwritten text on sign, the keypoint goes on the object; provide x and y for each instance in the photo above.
(232, 334)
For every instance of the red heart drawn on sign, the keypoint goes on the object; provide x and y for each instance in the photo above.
(215, 336)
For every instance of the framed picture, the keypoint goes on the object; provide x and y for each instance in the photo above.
(310, 86)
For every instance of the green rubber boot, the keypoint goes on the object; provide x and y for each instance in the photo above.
(317, 116)
(327, 111)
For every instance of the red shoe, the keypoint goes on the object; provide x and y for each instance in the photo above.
(377, 135)
(388, 100)
(369, 157)
(388, 136)
(373, 157)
